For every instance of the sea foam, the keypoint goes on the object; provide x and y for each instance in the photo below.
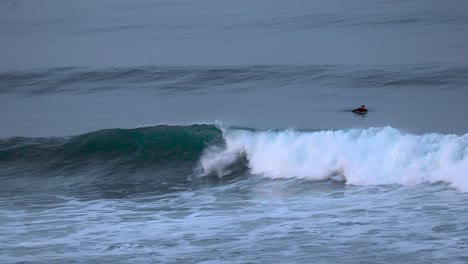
(370, 156)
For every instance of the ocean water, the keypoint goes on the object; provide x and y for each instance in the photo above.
(221, 131)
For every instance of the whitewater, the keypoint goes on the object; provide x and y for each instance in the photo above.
(219, 131)
(361, 157)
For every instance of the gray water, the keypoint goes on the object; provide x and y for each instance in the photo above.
(389, 186)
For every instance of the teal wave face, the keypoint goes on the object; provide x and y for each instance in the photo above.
(112, 163)
(159, 145)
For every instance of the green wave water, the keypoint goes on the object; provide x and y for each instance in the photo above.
(111, 163)
(158, 145)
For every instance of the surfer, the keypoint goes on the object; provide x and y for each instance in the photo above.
(360, 110)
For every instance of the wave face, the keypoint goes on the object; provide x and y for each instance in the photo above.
(111, 163)
(362, 157)
(160, 145)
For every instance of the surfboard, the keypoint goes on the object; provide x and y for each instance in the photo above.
(360, 113)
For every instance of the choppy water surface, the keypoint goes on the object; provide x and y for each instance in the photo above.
(247, 220)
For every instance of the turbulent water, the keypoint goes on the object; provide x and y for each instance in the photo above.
(222, 132)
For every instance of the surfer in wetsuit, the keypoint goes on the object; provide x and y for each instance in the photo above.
(360, 110)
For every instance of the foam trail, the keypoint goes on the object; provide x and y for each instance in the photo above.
(363, 157)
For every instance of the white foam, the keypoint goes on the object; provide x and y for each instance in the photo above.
(363, 157)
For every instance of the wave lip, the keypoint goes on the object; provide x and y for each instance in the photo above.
(361, 156)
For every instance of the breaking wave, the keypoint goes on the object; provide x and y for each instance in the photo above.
(371, 156)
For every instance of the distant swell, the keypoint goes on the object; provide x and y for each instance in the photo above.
(185, 79)
(371, 156)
